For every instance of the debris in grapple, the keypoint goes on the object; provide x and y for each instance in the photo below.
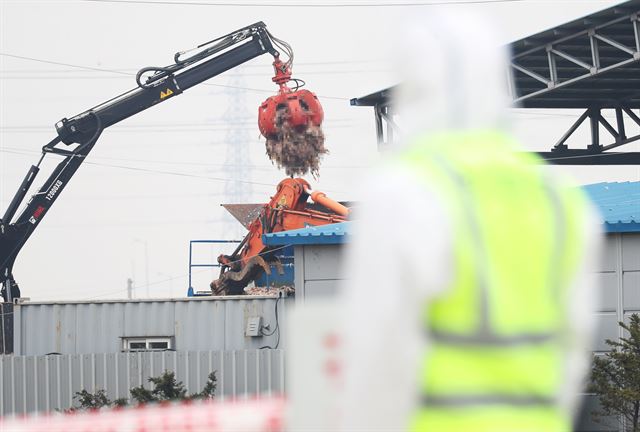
(290, 121)
(297, 150)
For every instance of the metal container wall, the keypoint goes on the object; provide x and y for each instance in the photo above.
(46, 383)
(618, 282)
(318, 271)
(196, 324)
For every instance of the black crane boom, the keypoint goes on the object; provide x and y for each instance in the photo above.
(81, 132)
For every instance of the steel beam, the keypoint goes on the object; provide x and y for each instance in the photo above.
(619, 54)
(386, 126)
(584, 157)
(596, 121)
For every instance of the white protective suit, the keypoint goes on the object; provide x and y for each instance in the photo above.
(453, 77)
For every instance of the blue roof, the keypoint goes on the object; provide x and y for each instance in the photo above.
(619, 205)
(326, 234)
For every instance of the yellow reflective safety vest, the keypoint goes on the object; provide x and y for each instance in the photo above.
(495, 359)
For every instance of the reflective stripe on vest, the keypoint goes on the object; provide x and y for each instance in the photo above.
(496, 335)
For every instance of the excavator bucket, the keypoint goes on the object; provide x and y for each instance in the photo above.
(233, 282)
(291, 122)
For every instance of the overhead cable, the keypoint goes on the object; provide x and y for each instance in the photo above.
(182, 276)
(307, 5)
(129, 74)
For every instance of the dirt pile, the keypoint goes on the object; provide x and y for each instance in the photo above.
(297, 151)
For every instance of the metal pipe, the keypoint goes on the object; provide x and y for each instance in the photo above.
(322, 199)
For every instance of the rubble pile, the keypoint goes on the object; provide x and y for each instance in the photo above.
(265, 291)
(297, 151)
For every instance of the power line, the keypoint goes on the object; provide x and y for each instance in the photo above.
(133, 197)
(240, 121)
(156, 171)
(308, 5)
(15, 150)
(263, 66)
(173, 173)
(101, 77)
(182, 276)
(141, 126)
(129, 74)
(171, 130)
(65, 64)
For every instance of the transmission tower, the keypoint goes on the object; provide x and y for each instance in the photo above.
(237, 155)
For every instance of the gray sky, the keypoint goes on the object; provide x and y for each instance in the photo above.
(156, 180)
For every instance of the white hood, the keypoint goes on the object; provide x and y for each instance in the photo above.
(453, 74)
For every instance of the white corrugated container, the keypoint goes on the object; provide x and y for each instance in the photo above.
(193, 324)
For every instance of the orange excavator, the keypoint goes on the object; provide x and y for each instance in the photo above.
(288, 209)
(299, 109)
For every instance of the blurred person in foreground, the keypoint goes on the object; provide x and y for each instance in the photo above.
(468, 299)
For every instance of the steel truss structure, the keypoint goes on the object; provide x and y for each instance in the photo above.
(587, 54)
(386, 127)
(593, 64)
(596, 153)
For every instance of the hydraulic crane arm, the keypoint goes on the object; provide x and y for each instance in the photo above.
(82, 131)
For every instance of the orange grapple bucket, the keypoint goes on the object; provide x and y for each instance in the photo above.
(299, 108)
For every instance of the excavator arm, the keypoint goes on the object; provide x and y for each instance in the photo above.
(81, 132)
(287, 210)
